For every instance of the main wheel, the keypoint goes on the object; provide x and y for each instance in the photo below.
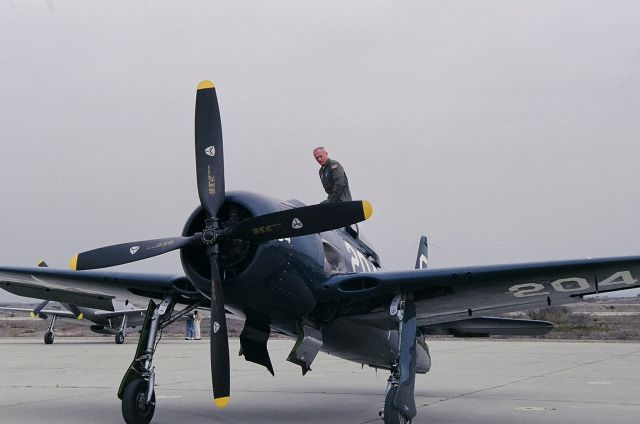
(391, 414)
(135, 409)
(48, 337)
(119, 337)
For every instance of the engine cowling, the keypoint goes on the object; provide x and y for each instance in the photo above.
(266, 275)
(234, 255)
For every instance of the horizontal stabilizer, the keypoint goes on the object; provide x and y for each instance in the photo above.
(490, 326)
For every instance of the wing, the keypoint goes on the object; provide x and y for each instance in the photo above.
(444, 296)
(43, 313)
(96, 290)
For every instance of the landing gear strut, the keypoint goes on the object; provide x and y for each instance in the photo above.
(399, 404)
(48, 336)
(137, 386)
(120, 335)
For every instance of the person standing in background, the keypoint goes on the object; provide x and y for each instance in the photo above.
(196, 325)
(190, 327)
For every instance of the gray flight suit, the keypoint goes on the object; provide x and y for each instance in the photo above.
(335, 182)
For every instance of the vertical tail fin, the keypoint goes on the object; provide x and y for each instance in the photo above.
(40, 307)
(422, 259)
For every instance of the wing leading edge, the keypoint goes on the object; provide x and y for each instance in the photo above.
(44, 313)
(89, 289)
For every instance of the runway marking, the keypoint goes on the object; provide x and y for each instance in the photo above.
(168, 397)
(599, 382)
(530, 408)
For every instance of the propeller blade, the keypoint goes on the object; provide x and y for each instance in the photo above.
(119, 254)
(209, 155)
(210, 178)
(302, 221)
(36, 311)
(76, 312)
(220, 372)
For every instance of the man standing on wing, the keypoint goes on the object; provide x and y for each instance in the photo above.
(333, 178)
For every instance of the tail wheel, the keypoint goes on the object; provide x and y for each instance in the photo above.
(391, 414)
(135, 408)
(48, 337)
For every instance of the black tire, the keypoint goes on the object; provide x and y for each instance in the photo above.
(48, 337)
(119, 337)
(135, 409)
(391, 414)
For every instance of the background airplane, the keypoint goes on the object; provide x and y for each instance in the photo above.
(118, 323)
(306, 272)
(124, 319)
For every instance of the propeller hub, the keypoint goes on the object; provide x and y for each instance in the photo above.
(211, 233)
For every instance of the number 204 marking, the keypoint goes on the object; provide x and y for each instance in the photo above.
(570, 285)
(358, 260)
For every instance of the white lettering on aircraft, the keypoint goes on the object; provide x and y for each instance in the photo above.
(570, 285)
(359, 262)
(161, 244)
(423, 262)
(285, 240)
(624, 277)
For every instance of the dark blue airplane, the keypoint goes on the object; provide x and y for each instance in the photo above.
(306, 272)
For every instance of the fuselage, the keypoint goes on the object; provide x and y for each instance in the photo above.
(108, 322)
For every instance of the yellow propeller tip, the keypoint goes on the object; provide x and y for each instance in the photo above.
(221, 402)
(73, 263)
(81, 316)
(33, 315)
(206, 84)
(367, 209)
(40, 262)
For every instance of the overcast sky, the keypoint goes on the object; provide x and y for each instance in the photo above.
(506, 131)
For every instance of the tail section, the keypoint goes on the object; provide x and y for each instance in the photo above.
(422, 259)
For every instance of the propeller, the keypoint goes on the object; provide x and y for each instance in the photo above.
(211, 191)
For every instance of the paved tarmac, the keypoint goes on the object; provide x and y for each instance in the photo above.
(472, 381)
